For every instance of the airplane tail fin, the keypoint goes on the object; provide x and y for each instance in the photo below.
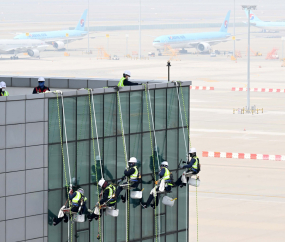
(225, 24)
(252, 16)
(81, 24)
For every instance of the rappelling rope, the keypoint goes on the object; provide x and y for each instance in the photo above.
(181, 89)
(93, 142)
(126, 159)
(152, 153)
(62, 152)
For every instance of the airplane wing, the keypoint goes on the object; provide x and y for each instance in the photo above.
(69, 40)
(22, 49)
(211, 42)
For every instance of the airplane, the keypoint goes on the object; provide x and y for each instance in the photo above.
(58, 38)
(201, 41)
(14, 46)
(265, 25)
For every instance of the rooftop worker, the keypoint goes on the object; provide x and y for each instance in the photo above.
(108, 199)
(165, 185)
(193, 168)
(41, 88)
(133, 174)
(3, 91)
(125, 80)
(77, 198)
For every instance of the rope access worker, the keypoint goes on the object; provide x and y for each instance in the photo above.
(133, 174)
(193, 166)
(3, 91)
(76, 198)
(165, 185)
(108, 200)
(124, 81)
(41, 88)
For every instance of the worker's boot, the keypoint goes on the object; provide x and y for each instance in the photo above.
(65, 218)
(143, 205)
(123, 199)
(152, 205)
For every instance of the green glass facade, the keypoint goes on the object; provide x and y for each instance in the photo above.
(170, 141)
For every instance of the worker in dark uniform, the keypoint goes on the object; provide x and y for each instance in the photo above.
(125, 80)
(193, 168)
(133, 174)
(41, 88)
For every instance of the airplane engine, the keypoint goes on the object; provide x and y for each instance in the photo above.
(203, 47)
(58, 45)
(34, 53)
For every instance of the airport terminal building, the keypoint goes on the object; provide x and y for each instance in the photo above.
(50, 139)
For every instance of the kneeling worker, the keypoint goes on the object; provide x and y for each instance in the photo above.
(41, 88)
(133, 174)
(125, 80)
(108, 200)
(76, 199)
(165, 185)
(193, 168)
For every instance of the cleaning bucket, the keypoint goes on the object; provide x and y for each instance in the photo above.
(136, 194)
(168, 201)
(79, 218)
(193, 182)
(112, 212)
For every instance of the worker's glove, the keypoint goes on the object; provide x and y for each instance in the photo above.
(181, 166)
(123, 178)
(120, 180)
(139, 83)
(184, 162)
(97, 204)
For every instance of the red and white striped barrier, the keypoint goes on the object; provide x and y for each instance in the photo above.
(202, 88)
(243, 89)
(243, 156)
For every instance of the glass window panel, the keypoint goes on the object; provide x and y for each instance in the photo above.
(124, 98)
(81, 226)
(183, 152)
(97, 159)
(121, 220)
(98, 105)
(171, 238)
(55, 166)
(147, 240)
(94, 224)
(71, 166)
(147, 161)
(171, 212)
(110, 158)
(136, 148)
(182, 236)
(83, 118)
(172, 108)
(53, 132)
(110, 105)
(146, 110)
(83, 236)
(54, 204)
(160, 109)
(162, 223)
(135, 219)
(182, 206)
(147, 214)
(135, 112)
(161, 148)
(83, 160)
(109, 228)
(121, 160)
(70, 118)
(185, 97)
(172, 148)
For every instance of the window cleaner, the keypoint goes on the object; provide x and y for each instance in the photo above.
(78, 206)
(193, 168)
(166, 183)
(108, 200)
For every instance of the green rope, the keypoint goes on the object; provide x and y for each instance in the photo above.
(124, 146)
(93, 142)
(152, 153)
(62, 152)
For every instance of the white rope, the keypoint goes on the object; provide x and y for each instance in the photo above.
(97, 133)
(186, 158)
(156, 155)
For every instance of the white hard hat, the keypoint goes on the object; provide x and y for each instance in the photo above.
(0, 85)
(101, 182)
(41, 79)
(133, 160)
(164, 163)
(3, 84)
(127, 73)
(192, 150)
(81, 191)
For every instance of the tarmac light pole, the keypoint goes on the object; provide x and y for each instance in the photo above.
(168, 65)
(248, 8)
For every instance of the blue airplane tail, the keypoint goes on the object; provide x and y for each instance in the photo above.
(225, 24)
(81, 24)
(252, 16)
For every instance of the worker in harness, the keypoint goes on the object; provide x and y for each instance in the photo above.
(41, 88)
(108, 199)
(76, 199)
(193, 168)
(133, 174)
(124, 81)
(166, 183)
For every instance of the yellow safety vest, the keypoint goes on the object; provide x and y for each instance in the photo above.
(5, 93)
(112, 190)
(121, 82)
(136, 173)
(77, 198)
(195, 165)
(166, 175)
